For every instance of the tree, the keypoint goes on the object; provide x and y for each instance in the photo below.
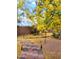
(48, 13)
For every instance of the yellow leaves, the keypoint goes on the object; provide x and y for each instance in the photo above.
(41, 27)
(56, 23)
(47, 1)
(20, 4)
(47, 14)
(51, 15)
(51, 7)
(38, 9)
(59, 8)
(56, 1)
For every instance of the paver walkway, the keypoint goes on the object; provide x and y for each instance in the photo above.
(50, 50)
(30, 51)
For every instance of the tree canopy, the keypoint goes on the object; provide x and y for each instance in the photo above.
(47, 14)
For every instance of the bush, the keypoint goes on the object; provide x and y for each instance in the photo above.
(57, 35)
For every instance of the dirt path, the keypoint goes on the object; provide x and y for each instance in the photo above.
(51, 49)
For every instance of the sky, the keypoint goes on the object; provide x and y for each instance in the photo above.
(30, 5)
